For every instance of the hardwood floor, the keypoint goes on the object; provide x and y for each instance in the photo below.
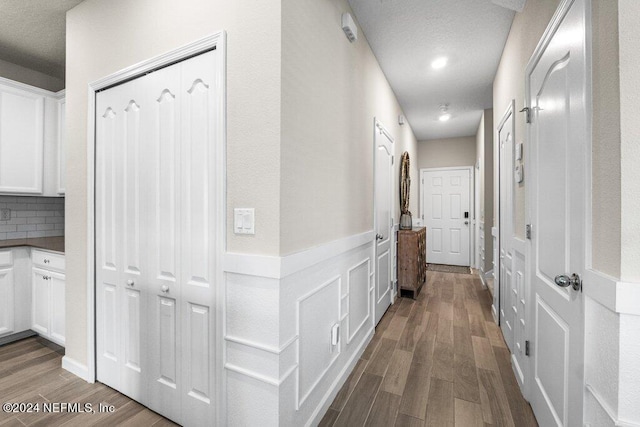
(30, 372)
(437, 361)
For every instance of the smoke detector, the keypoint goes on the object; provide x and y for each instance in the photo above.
(349, 27)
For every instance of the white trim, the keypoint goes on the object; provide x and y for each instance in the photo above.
(276, 382)
(32, 89)
(340, 380)
(259, 346)
(218, 41)
(470, 169)
(617, 296)
(613, 415)
(350, 335)
(274, 267)
(76, 368)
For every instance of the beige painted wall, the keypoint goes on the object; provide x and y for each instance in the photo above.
(104, 36)
(526, 30)
(331, 91)
(448, 152)
(629, 42)
(484, 150)
(15, 72)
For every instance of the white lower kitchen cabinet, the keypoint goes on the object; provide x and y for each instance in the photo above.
(48, 295)
(6, 300)
(15, 290)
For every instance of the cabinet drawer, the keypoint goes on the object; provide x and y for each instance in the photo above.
(6, 260)
(48, 260)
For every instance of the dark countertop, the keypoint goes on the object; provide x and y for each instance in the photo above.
(49, 243)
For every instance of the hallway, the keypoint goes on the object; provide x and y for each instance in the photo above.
(437, 361)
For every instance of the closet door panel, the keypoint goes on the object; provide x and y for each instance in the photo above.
(162, 151)
(109, 286)
(199, 90)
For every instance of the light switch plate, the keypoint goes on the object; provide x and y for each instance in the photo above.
(244, 221)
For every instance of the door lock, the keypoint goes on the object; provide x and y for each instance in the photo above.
(565, 281)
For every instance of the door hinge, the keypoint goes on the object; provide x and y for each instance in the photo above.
(527, 112)
(526, 348)
(528, 231)
(393, 159)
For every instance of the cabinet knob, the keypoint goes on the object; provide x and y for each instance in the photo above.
(130, 282)
(46, 261)
(164, 289)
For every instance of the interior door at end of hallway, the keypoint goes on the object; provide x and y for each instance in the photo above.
(446, 201)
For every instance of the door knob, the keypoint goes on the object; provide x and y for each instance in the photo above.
(130, 282)
(466, 223)
(164, 289)
(565, 281)
(379, 237)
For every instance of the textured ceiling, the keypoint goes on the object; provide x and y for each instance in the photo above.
(32, 34)
(407, 35)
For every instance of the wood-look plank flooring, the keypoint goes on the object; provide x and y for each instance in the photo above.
(31, 372)
(439, 360)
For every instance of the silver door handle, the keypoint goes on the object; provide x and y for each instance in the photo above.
(466, 223)
(565, 281)
(164, 289)
(130, 282)
(379, 237)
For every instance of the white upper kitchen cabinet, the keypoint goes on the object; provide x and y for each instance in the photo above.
(21, 139)
(31, 135)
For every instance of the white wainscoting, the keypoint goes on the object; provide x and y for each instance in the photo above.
(612, 374)
(280, 365)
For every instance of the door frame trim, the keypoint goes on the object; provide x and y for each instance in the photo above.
(217, 41)
(472, 205)
(379, 127)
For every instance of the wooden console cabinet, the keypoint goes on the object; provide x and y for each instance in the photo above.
(412, 264)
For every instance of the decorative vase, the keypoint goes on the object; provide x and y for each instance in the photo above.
(405, 221)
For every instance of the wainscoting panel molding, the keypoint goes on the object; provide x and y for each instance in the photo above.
(279, 316)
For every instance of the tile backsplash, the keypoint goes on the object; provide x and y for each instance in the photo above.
(32, 217)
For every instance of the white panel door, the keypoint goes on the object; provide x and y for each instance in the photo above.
(198, 218)
(160, 194)
(447, 215)
(383, 219)
(556, 81)
(6, 301)
(156, 210)
(21, 141)
(506, 281)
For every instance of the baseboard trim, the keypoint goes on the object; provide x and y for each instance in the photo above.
(76, 368)
(17, 337)
(609, 410)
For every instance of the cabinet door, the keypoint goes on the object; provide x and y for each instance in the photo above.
(21, 141)
(56, 289)
(40, 302)
(6, 301)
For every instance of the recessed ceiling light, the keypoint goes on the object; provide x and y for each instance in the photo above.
(444, 113)
(439, 63)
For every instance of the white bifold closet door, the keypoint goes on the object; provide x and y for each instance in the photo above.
(155, 238)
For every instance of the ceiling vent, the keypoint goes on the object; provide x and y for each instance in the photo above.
(349, 27)
(516, 5)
